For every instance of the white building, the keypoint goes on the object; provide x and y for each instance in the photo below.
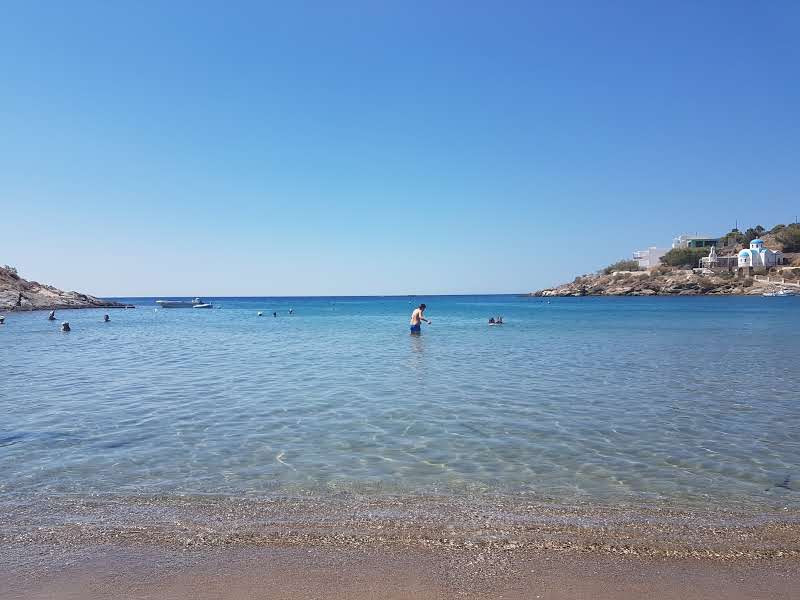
(694, 241)
(758, 257)
(649, 258)
(715, 261)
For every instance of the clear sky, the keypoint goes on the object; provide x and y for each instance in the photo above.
(236, 148)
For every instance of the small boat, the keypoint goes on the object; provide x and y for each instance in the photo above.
(196, 303)
(779, 294)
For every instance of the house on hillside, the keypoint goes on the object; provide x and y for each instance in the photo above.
(694, 241)
(649, 258)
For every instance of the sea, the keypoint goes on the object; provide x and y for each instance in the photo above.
(675, 401)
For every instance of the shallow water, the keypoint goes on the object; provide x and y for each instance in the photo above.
(692, 401)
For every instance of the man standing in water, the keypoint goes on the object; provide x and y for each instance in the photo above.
(417, 317)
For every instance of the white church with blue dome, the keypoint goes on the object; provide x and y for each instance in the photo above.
(758, 257)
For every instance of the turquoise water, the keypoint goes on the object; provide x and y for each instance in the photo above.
(681, 400)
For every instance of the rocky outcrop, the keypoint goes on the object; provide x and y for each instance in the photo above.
(17, 293)
(658, 282)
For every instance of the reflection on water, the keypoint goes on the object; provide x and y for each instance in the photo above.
(616, 399)
(417, 358)
(417, 343)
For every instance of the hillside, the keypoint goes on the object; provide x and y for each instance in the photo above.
(680, 280)
(665, 281)
(17, 293)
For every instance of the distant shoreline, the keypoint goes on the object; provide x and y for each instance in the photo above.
(112, 305)
(665, 281)
(20, 295)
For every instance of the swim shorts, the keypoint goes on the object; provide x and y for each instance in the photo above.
(416, 328)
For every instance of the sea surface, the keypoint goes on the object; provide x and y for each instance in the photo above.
(679, 401)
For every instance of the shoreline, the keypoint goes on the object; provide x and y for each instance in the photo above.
(490, 522)
(667, 281)
(20, 295)
(540, 294)
(23, 309)
(359, 547)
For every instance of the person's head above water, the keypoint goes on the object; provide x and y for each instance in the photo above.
(422, 307)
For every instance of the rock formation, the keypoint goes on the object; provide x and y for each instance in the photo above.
(663, 281)
(17, 293)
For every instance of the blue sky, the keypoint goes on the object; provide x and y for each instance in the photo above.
(156, 148)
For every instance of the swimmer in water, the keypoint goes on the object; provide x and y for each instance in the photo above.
(106, 318)
(65, 326)
(417, 317)
(2, 320)
(51, 316)
(275, 314)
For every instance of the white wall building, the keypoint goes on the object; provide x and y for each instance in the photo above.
(715, 261)
(649, 258)
(759, 257)
(694, 241)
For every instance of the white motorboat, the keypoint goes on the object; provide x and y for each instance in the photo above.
(196, 303)
(779, 294)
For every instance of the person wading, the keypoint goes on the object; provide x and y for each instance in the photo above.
(417, 317)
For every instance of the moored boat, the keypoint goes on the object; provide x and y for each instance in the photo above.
(196, 303)
(782, 293)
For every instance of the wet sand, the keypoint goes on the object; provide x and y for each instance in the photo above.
(346, 573)
(389, 547)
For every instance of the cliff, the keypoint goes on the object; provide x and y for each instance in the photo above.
(17, 293)
(663, 281)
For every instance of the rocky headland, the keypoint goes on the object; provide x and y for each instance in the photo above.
(678, 275)
(657, 282)
(17, 293)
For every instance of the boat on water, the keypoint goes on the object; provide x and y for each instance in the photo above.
(779, 294)
(196, 303)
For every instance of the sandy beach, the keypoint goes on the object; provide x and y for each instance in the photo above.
(313, 572)
(402, 547)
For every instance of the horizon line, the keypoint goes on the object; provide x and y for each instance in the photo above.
(461, 294)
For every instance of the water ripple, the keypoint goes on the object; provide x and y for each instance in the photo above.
(614, 399)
